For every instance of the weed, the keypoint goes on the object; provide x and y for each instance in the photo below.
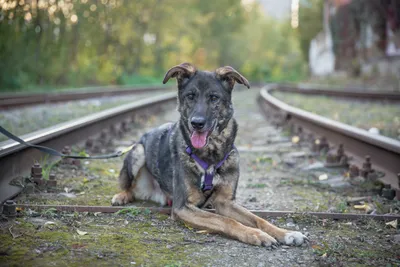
(47, 166)
(178, 264)
(341, 207)
(83, 153)
(146, 211)
(129, 211)
(263, 159)
(256, 185)
(50, 212)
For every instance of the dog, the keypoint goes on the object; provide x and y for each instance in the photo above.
(193, 163)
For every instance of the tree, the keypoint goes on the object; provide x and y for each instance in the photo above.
(310, 23)
(89, 42)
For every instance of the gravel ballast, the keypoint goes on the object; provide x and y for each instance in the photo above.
(274, 178)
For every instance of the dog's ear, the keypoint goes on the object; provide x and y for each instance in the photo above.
(180, 72)
(230, 75)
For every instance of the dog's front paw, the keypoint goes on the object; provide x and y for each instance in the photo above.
(121, 199)
(259, 238)
(294, 238)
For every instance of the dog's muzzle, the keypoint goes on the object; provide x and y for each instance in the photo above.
(198, 123)
(199, 135)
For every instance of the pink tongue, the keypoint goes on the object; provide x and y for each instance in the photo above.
(198, 139)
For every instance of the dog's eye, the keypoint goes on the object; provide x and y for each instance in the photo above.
(226, 79)
(190, 96)
(214, 98)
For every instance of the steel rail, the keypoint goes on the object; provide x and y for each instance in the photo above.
(261, 213)
(384, 151)
(314, 89)
(16, 159)
(14, 100)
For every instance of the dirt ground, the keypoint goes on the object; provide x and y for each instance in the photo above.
(276, 174)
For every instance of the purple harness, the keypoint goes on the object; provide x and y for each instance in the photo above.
(209, 174)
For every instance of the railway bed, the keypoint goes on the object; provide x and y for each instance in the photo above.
(274, 177)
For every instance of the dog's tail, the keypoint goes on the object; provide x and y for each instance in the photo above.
(133, 162)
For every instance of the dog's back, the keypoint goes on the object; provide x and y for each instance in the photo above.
(147, 170)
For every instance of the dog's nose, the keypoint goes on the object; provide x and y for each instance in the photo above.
(198, 122)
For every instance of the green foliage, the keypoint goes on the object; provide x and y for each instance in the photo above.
(269, 50)
(89, 42)
(50, 212)
(47, 166)
(256, 185)
(311, 23)
(83, 153)
(342, 207)
(139, 79)
(133, 211)
(178, 264)
(263, 159)
(129, 211)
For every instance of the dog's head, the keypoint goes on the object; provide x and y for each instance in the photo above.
(204, 99)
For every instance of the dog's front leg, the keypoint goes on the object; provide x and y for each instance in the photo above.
(187, 197)
(233, 210)
(223, 225)
(227, 207)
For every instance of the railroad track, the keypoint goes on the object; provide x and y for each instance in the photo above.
(16, 159)
(384, 151)
(59, 214)
(70, 133)
(15, 100)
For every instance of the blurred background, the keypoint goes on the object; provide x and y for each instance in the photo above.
(47, 44)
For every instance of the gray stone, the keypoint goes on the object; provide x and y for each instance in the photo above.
(67, 195)
(396, 239)
(315, 165)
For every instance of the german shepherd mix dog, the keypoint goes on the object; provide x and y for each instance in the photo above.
(193, 163)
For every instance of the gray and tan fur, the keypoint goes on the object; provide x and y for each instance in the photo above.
(159, 169)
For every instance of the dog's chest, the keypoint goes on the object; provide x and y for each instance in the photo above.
(216, 178)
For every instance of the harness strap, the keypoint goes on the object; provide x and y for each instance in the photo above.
(209, 173)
